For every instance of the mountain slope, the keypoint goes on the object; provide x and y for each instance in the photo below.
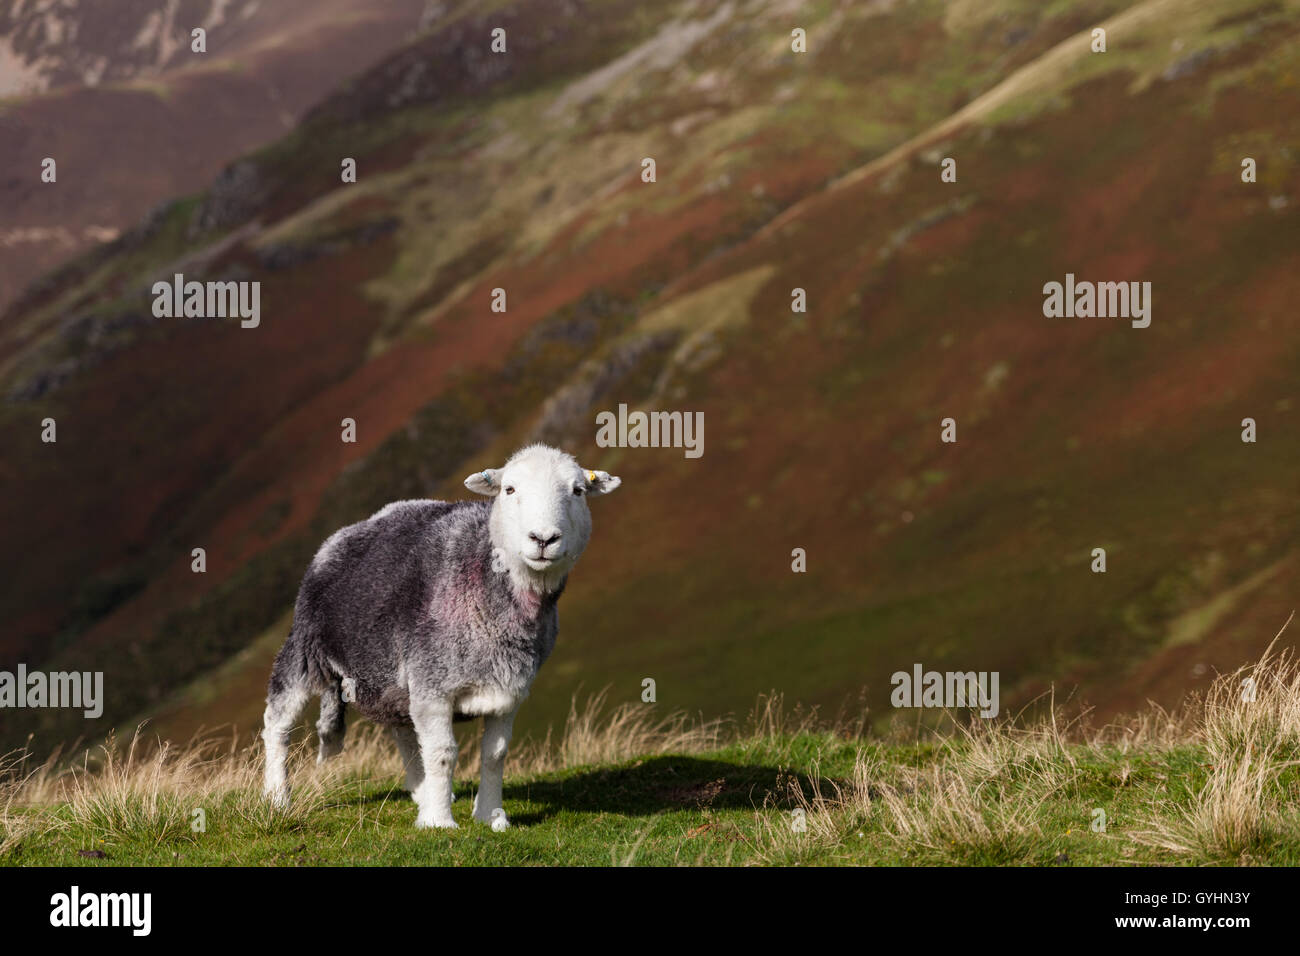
(133, 116)
(775, 171)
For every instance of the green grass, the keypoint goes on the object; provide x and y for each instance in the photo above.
(727, 806)
(1214, 785)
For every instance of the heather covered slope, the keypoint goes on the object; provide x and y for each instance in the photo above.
(775, 171)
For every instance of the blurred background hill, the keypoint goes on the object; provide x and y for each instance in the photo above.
(775, 171)
(133, 117)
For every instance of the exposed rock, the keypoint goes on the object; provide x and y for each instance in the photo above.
(1189, 64)
(234, 198)
(288, 255)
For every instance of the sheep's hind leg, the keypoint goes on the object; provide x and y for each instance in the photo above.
(432, 718)
(497, 729)
(331, 726)
(284, 704)
(408, 746)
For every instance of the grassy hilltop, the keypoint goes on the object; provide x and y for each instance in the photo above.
(1216, 783)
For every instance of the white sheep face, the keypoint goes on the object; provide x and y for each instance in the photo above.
(540, 521)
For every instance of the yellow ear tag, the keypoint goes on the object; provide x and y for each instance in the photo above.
(591, 476)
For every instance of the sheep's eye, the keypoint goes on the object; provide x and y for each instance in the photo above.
(578, 491)
(510, 489)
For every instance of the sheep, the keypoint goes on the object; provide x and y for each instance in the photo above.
(430, 612)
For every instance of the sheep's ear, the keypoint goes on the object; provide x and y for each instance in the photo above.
(485, 482)
(601, 482)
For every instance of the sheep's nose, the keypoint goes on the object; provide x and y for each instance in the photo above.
(545, 538)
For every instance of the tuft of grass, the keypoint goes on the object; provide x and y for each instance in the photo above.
(940, 816)
(592, 736)
(1238, 815)
(1256, 706)
(1250, 728)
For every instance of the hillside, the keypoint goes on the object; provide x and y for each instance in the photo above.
(133, 116)
(775, 171)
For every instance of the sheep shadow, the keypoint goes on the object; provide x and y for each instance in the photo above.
(394, 794)
(657, 785)
(654, 785)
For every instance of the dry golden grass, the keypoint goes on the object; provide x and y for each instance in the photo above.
(947, 813)
(17, 827)
(824, 815)
(591, 736)
(1249, 724)
(1237, 813)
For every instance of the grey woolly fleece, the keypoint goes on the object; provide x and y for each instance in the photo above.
(410, 597)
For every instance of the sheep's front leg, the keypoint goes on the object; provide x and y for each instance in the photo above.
(496, 741)
(432, 719)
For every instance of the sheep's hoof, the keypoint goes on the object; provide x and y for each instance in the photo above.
(422, 824)
(496, 817)
(278, 796)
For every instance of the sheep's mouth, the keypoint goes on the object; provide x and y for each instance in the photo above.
(540, 562)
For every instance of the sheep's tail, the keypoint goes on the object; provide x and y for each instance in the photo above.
(299, 672)
(300, 666)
